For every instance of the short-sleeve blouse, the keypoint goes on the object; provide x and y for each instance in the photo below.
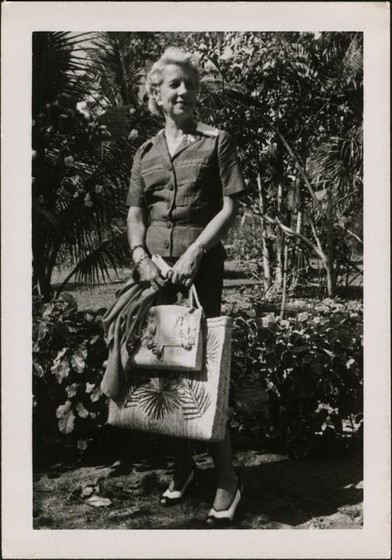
(183, 192)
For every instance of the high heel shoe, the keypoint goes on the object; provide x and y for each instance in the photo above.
(225, 516)
(172, 497)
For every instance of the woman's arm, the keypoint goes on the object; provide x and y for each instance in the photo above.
(186, 267)
(148, 271)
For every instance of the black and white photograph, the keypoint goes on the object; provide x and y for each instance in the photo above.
(197, 278)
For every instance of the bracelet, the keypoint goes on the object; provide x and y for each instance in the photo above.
(203, 249)
(133, 249)
(140, 259)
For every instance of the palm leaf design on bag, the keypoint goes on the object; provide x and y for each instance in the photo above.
(195, 399)
(213, 347)
(159, 397)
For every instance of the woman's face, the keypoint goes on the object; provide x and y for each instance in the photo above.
(177, 94)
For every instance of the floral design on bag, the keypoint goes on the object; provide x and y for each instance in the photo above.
(186, 336)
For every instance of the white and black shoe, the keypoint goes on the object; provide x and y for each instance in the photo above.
(225, 516)
(172, 497)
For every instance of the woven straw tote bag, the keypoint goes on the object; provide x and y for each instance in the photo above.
(182, 404)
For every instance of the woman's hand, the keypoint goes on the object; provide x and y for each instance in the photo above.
(185, 269)
(149, 272)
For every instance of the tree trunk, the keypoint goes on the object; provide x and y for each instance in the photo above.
(279, 242)
(40, 275)
(330, 252)
(298, 257)
(265, 250)
(284, 289)
(297, 251)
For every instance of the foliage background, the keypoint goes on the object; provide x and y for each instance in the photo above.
(293, 102)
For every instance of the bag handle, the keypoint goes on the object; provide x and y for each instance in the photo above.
(164, 269)
(194, 298)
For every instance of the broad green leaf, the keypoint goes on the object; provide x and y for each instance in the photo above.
(96, 394)
(60, 354)
(81, 410)
(38, 369)
(72, 389)
(42, 330)
(301, 317)
(68, 298)
(48, 308)
(66, 418)
(90, 387)
(227, 54)
(61, 368)
(78, 359)
(63, 409)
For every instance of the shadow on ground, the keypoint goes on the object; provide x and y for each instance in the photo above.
(280, 493)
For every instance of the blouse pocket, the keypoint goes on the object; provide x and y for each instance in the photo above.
(154, 178)
(193, 182)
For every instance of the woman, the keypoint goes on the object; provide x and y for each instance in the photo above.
(182, 200)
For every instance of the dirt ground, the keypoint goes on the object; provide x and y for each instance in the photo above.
(279, 493)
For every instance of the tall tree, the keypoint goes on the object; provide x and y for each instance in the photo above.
(300, 92)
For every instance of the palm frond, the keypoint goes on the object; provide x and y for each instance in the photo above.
(195, 399)
(55, 68)
(97, 258)
(338, 165)
(160, 397)
(352, 63)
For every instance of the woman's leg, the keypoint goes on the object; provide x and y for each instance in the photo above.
(183, 457)
(227, 479)
(209, 285)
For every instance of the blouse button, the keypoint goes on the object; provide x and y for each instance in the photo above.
(167, 244)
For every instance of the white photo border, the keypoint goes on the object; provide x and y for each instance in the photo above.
(19, 21)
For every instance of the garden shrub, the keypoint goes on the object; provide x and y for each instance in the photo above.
(296, 380)
(69, 354)
(305, 372)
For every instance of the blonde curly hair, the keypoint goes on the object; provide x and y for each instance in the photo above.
(172, 55)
